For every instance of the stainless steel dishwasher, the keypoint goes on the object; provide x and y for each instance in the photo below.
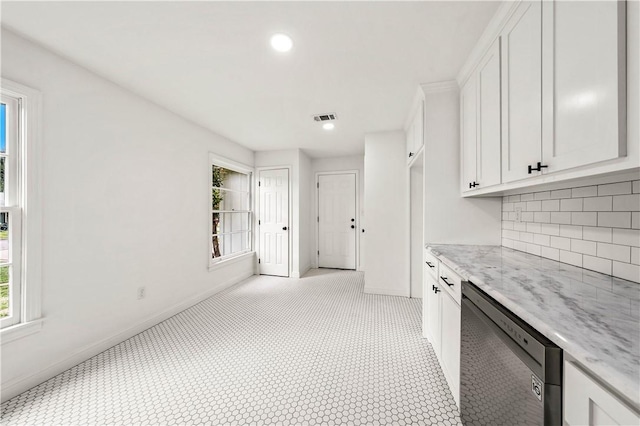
(509, 373)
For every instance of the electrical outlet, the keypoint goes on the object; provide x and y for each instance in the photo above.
(518, 214)
(142, 292)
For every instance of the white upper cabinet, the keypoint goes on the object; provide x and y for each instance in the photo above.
(480, 123)
(415, 131)
(583, 82)
(488, 141)
(468, 132)
(521, 91)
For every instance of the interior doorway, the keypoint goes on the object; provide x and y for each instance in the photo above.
(273, 222)
(337, 220)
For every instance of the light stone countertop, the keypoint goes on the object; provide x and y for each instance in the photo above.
(593, 317)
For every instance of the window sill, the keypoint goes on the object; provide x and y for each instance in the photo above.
(19, 331)
(231, 260)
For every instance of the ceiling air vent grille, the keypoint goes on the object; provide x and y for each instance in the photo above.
(325, 117)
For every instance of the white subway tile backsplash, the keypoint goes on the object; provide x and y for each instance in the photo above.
(571, 205)
(598, 204)
(551, 205)
(561, 217)
(627, 237)
(597, 264)
(534, 206)
(626, 203)
(594, 233)
(560, 242)
(584, 191)
(615, 188)
(614, 252)
(615, 219)
(541, 239)
(550, 253)
(550, 228)
(527, 237)
(584, 247)
(542, 217)
(533, 227)
(626, 271)
(571, 231)
(571, 258)
(545, 195)
(596, 227)
(533, 249)
(560, 193)
(584, 218)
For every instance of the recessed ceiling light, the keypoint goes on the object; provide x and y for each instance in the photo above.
(281, 42)
(328, 126)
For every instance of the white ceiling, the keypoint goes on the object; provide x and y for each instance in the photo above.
(211, 61)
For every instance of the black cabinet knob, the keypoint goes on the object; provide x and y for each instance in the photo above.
(353, 227)
(410, 154)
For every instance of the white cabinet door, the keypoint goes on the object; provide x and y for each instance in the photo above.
(583, 82)
(450, 343)
(586, 402)
(468, 132)
(488, 146)
(521, 45)
(433, 313)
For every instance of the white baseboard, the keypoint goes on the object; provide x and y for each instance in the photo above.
(386, 291)
(21, 384)
(300, 274)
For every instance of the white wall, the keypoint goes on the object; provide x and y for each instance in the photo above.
(306, 212)
(126, 204)
(416, 233)
(450, 219)
(336, 164)
(386, 201)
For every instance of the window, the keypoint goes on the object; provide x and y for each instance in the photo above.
(231, 212)
(20, 211)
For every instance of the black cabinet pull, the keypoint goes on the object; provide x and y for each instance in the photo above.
(410, 154)
(433, 287)
(430, 264)
(473, 184)
(446, 282)
(538, 168)
(436, 290)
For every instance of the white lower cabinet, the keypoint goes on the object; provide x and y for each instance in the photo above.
(441, 325)
(586, 402)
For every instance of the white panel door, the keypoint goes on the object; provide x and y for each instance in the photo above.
(521, 42)
(469, 131)
(337, 225)
(583, 82)
(274, 222)
(488, 148)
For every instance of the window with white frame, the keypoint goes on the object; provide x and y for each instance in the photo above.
(10, 212)
(20, 211)
(231, 212)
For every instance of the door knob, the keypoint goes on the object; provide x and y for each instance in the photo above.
(353, 227)
(284, 228)
(353, 220)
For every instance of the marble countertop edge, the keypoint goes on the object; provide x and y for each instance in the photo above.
(621, 383)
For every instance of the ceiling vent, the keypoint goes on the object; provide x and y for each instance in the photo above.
(330, 116)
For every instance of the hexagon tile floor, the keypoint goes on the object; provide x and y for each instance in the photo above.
(314, 351)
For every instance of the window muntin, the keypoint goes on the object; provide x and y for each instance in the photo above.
(231, 212)
(10, 213)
